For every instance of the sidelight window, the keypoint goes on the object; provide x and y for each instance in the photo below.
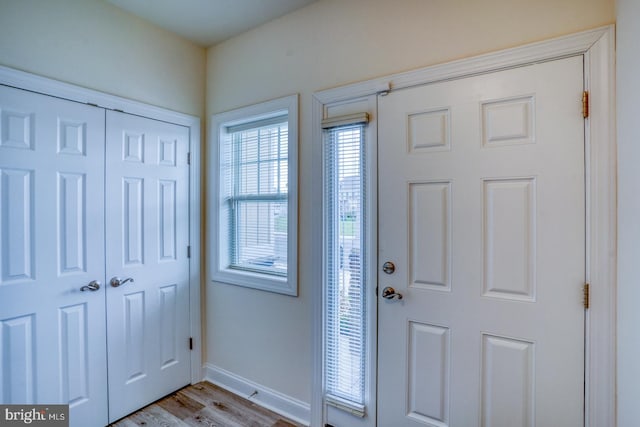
(346, 277)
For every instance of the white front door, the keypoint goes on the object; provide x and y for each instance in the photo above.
(147, 234)
(482, 211)
(52, 314)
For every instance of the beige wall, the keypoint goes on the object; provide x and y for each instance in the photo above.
(266, 337)
(93, 44)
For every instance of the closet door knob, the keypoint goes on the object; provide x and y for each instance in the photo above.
(116, 281)
(93, 286)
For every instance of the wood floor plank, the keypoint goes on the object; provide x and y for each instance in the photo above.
(214, 417)
(204, 404)
(180, 405)
(246, 414)
(214, 396)
(154, 415)
(125, 422)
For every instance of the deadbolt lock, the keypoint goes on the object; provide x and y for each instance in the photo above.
(388, 267)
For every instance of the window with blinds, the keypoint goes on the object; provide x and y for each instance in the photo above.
(255, 194)
(345, 264)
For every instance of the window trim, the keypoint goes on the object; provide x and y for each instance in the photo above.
(220, 271)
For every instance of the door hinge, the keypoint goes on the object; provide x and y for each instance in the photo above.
(586, 297)
(188, 251)
(190, 343)
(188, 158)
(585, 104)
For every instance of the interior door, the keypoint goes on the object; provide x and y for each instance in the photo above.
(147, 229)
(52, 315)
(482, 211)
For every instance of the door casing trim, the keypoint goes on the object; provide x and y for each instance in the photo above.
(46, 86)
(597, 47)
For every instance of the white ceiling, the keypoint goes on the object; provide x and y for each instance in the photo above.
(207, 22)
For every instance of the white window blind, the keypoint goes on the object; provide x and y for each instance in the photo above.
(256, 193)
(345, 265)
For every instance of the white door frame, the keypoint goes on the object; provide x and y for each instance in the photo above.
(46, 86)
(598, 50)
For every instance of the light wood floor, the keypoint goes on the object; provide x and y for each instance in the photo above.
(204, 404)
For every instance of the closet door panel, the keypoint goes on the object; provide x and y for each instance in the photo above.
(52, 332)
(147, 226)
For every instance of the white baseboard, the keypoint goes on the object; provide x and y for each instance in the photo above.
(270, 399)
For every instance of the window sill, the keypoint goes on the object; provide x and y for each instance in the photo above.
(256, 280)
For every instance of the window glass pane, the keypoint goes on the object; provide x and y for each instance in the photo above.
(258, 199)
(268, 178)
(261, 240)
(262, 160)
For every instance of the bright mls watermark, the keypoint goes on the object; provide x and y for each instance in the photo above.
(34, 415)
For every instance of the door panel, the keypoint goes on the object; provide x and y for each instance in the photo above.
(52, 334)
(147, 238)
(481, 183)
(507, 382)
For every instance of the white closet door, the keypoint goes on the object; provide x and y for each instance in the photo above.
(147, 229)
(52, 334)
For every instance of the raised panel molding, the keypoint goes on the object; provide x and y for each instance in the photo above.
(429, 131)
(508, 122)
(168, 313)
(508, 383)
(134, 306)
(72, 138)
(428, 374)
(133, 205)
(133, 147)
(167, 223)
(17, 360)
(430, 235)
(72, 223)
(17, 130)
(74, 357)
(167, 149)
(509, 238)
(17, 222)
